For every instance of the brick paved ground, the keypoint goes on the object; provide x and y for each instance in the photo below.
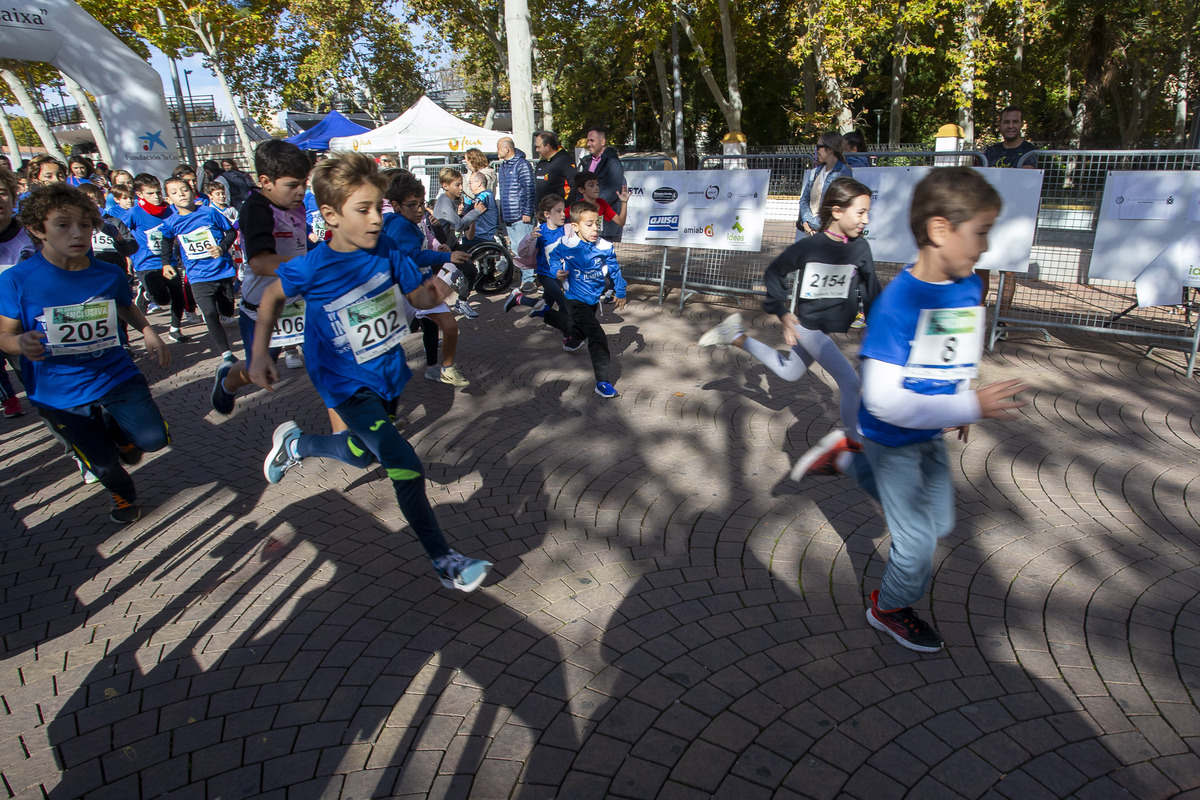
(666, 618)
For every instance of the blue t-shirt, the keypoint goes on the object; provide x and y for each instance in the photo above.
(549, 236)
(193, 230)
(355, 317)
(148, 230)
(73, 378)
(891, 328)
(408, 237)
(313, 219)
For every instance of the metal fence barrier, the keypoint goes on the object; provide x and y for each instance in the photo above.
(1056, 292)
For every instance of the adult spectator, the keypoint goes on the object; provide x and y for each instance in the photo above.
(555, 167)
(239, 182)
(515, 193)
(603, 162)
(387, 162)
(1008, 151)
(212, 174)
(478, 162)
(831, 165)
(856, 149)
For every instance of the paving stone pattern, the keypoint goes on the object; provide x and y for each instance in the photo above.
(667, 618)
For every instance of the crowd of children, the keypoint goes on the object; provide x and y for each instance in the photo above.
(313, 261)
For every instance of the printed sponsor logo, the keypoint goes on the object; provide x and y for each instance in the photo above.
(16, 18)
(665, 194)
(636, 191)
(712, 192)
(152, 139)
(664, 223)
(737, 232)
(463, 143)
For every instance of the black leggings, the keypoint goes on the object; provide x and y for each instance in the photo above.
(429, 338)
(165, 291)
(215, 299)
(580, 322)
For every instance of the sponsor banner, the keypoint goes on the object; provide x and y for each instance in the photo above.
(1009, 243)
(1147, 232)
(709, 209)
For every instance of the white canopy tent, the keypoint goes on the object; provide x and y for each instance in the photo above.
(424, 128)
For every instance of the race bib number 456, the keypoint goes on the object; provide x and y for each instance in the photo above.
(196, 243)
(948, 344)
(375, 325)
(82, 328)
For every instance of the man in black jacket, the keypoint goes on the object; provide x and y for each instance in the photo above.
(604, 163)
(555, 169)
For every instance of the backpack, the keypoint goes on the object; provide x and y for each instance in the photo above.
(240, 185)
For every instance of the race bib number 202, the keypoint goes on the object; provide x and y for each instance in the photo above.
(375, 325)
(948, 344)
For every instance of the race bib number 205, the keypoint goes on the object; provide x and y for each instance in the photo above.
(948, 344)
(82, 328)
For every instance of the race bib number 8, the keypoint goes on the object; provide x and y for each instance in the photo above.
(289, 328)
(375, 325)
(196, 243)
(825, 281)
(82, 328)
(948, 344)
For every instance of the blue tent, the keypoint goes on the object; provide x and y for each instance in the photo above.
(317, 137)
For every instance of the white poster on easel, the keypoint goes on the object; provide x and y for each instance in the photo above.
(1148, 232)
(704, 209)
(1009, 243)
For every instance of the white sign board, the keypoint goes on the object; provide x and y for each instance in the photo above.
(704, 209)
(1011, 238)
(1149, 232)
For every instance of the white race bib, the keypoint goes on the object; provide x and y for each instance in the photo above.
(154, 241)
(289, 328)
(82, 328)
(103, 243)
(375, 325)
(948, 344)
(318, 225)
(195, 244)
(825, 281)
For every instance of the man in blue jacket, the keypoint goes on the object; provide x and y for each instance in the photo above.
(603, 162)
(515, 195)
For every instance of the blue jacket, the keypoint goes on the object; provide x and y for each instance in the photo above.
(514, 188)
(840, 170)
(586, 264)
(411, 242)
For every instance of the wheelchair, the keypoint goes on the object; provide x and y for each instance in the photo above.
(494, 264)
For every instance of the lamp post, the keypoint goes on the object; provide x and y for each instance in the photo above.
(632, 80)
(188, 85)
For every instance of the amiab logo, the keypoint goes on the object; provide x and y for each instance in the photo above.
(152, 139)
(707, 230)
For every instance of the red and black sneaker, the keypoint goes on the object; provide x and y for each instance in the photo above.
(821, 459)
(903, 625)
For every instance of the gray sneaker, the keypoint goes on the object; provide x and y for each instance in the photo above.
(724, 334)
(280, 459)
(456, 571)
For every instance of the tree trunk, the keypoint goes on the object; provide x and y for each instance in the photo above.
(489, 120)
(238, 123)
(544, 89)
(830, 87)
(728, 40)
(732, 112)
(969, 28)
(810, 84)
(89, 114)
(520, 68)
(1093, 74)
(10, 138)
(34, 113)
(677, 98)
(1181, 93)
(899, 77)
(664, 92)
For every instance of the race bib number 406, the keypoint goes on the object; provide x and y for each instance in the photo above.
(289, 328)
(825, 281)
(82, 328)
(948, 344)
(375, 325)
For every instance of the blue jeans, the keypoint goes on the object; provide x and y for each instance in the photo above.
(126, 415)
(517, 232)
(369, 418)
(912, 483)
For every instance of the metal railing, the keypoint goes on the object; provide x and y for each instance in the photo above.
(1057, 291)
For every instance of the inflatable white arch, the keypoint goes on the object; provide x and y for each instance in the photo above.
(127, 89)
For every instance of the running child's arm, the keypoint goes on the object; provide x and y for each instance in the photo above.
(123, 238)
(262, 367)
(154, 344)
(886, 397)
(430, 294)
(775, 279)
(619, 286)
(16, 341)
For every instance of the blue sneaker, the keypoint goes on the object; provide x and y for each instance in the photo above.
(464, 308)
(539, 309)
(280, 459)
(456, 571)
(222, 400)
(606, 390)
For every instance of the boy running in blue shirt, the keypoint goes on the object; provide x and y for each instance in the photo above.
(59, 310)
(584, 260)
(923, 345)
(204, 236)
(145, 220)
(355, 288)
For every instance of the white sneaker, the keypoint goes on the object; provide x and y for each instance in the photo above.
(293, 360)
(452, 376)
(724, 334)
(191, 319)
